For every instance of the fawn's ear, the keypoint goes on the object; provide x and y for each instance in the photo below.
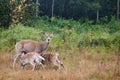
(45, 34)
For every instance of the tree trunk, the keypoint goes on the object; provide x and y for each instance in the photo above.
(118, 9)
(52, 8)
(97, 18)
(37, 8)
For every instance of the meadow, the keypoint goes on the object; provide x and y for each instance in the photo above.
(89, 51)
(77, 67)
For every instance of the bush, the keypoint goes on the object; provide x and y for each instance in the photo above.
(70, 34)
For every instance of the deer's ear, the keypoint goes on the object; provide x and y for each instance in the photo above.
(45, 34)
(52, 35)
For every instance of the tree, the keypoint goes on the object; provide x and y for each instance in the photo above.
(96, 6)
(52, 8)
(37, 8)
(4, 13)
(17, 10)
(118, 1)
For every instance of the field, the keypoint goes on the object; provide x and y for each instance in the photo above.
(77, 67)
(88, 51)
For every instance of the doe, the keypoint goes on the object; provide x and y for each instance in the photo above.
(31, 46)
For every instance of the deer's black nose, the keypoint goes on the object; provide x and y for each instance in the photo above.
(48, 39)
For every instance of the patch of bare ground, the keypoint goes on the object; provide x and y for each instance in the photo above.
(77, 67)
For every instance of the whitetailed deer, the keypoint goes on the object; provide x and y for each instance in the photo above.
(52, 58)
(31, 46)
(32, 58)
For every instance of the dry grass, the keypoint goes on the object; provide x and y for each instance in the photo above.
(77, 67)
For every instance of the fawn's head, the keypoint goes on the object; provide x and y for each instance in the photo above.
(48, 36)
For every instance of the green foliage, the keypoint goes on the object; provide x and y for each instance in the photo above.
(16, 33)
(69, 34)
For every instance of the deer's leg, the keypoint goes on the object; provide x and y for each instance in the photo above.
(37, 61)
(59, 64)
(22, 65)
(33, 67)
(41, 65)
(33, 64)
(15, 58)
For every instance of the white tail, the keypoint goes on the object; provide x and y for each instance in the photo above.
(31, 46)
(32, 58)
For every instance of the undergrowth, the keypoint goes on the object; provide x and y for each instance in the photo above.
(69, 34)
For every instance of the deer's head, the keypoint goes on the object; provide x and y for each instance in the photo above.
(48, 36)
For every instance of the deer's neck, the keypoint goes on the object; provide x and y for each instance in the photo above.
(46, 45)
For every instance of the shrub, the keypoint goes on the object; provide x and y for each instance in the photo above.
(70, 34)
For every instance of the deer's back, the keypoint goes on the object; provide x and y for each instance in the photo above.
(28, 56)
(28, 45)
(49, 57)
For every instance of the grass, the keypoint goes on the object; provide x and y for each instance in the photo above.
(77, 67)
